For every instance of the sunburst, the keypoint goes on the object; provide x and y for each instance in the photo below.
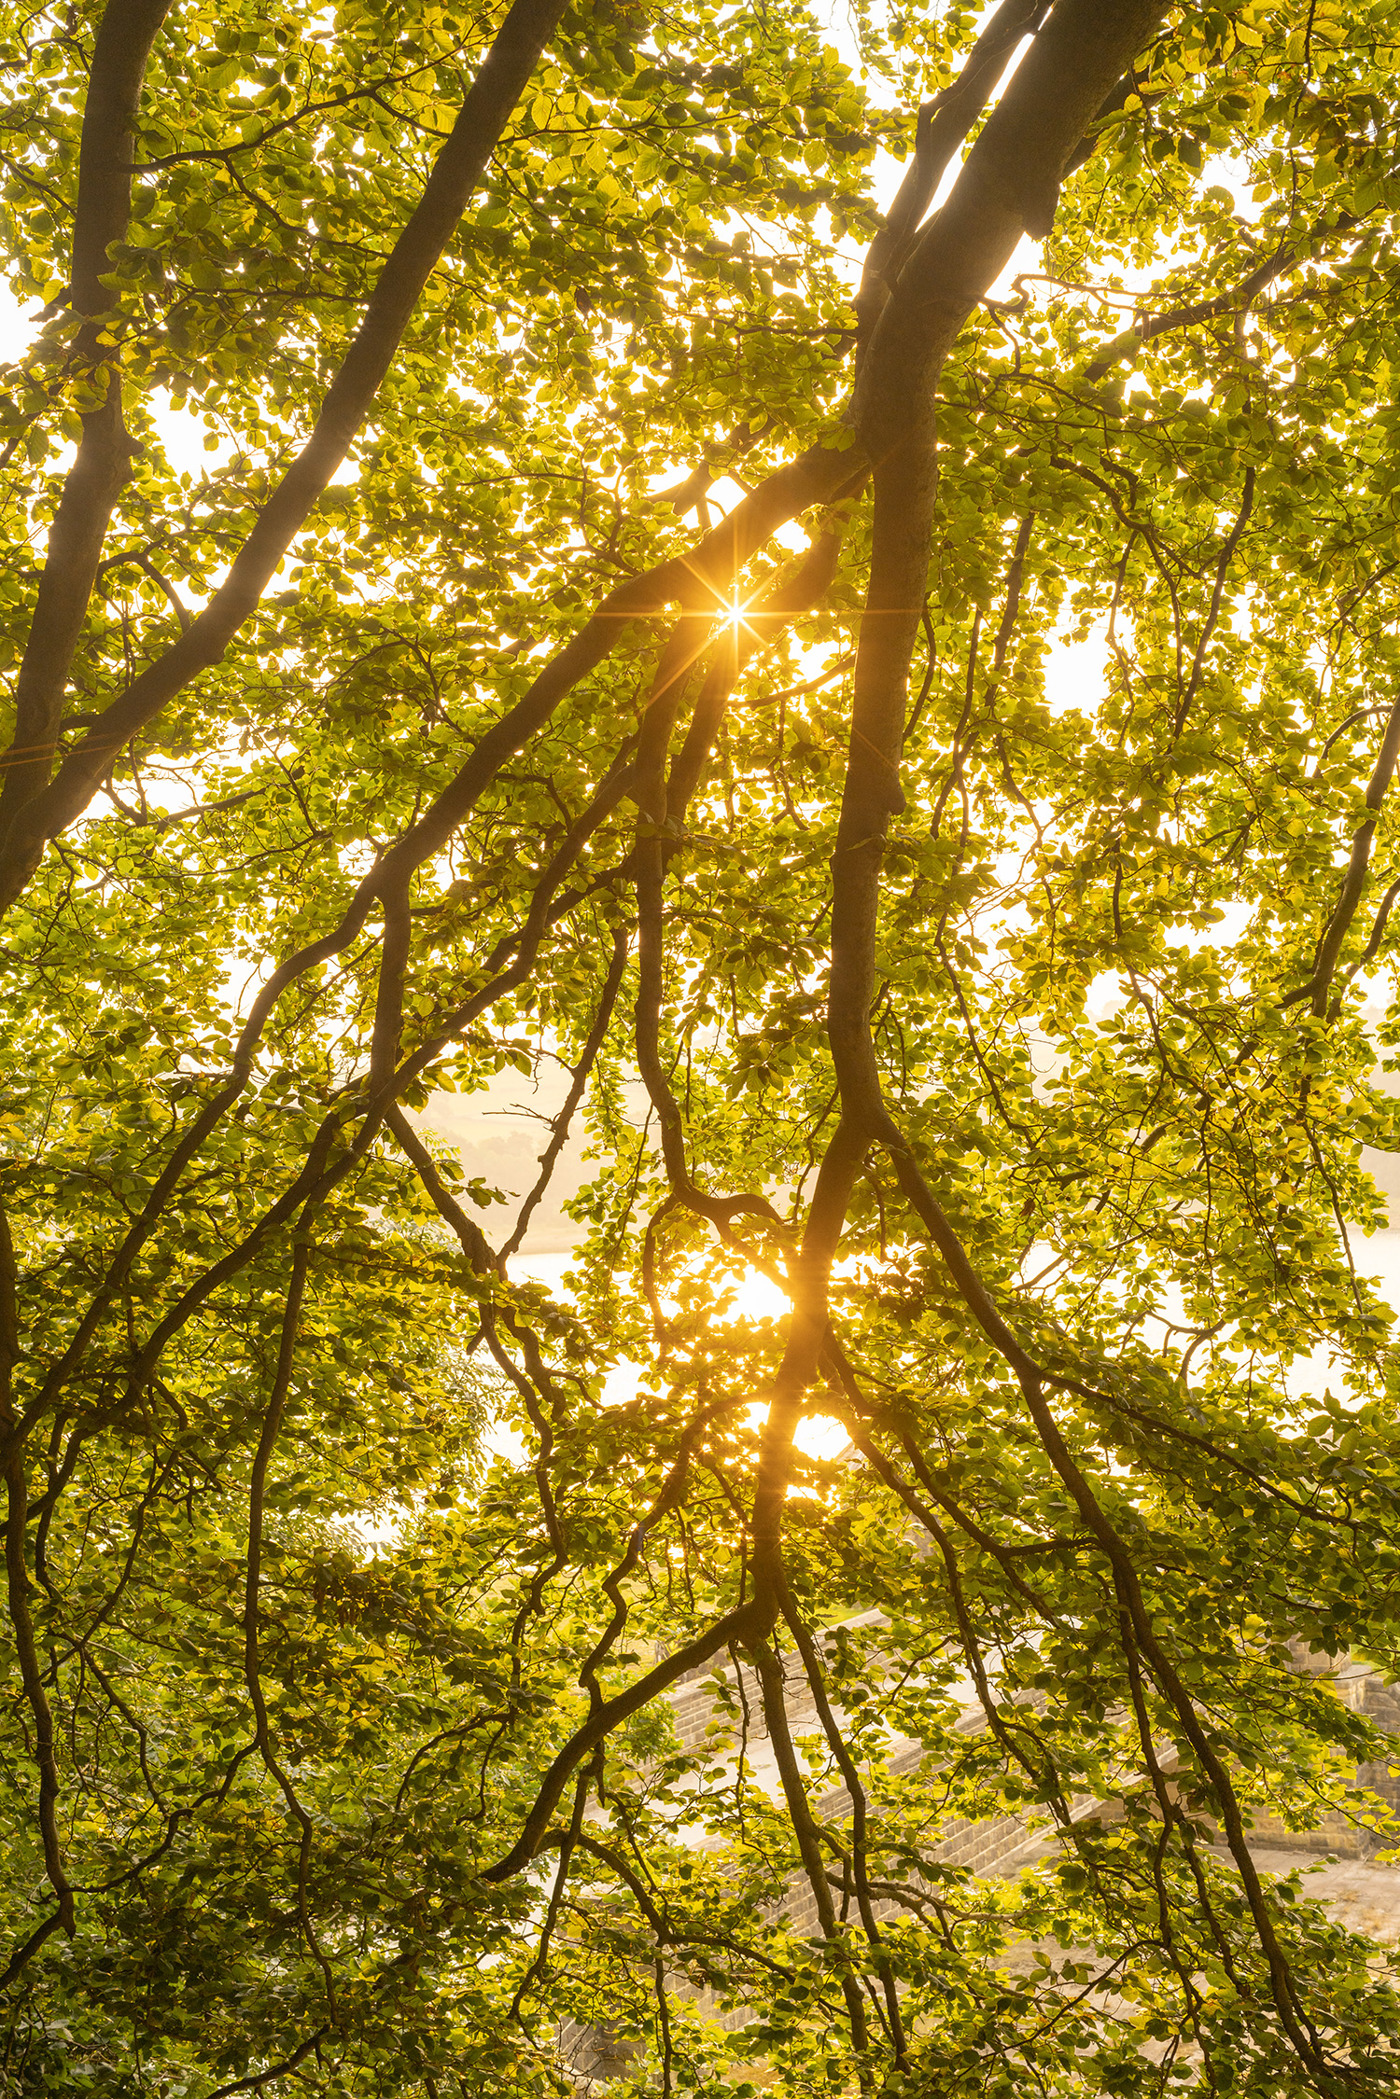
(736, 616)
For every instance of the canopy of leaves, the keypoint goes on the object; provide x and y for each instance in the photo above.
(914, 740)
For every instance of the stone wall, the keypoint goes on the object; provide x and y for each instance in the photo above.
(1000, 1845)
(1339, 1832)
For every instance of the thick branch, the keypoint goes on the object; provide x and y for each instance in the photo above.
(100, 468)
(456, 173)
(943, 125)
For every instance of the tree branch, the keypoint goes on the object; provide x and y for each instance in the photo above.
(99, 471)
(37, 812)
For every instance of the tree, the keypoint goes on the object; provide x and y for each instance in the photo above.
(608, 631)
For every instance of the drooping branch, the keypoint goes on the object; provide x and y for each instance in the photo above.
(846, 1765)
(559, 1134)
(663, 798)
(22, 1622)
(738, 1625)
(252, 1615)
(531, 1387)
(32, 1683)
(770, 1677)
(1032, 1379)
(1217, 596)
